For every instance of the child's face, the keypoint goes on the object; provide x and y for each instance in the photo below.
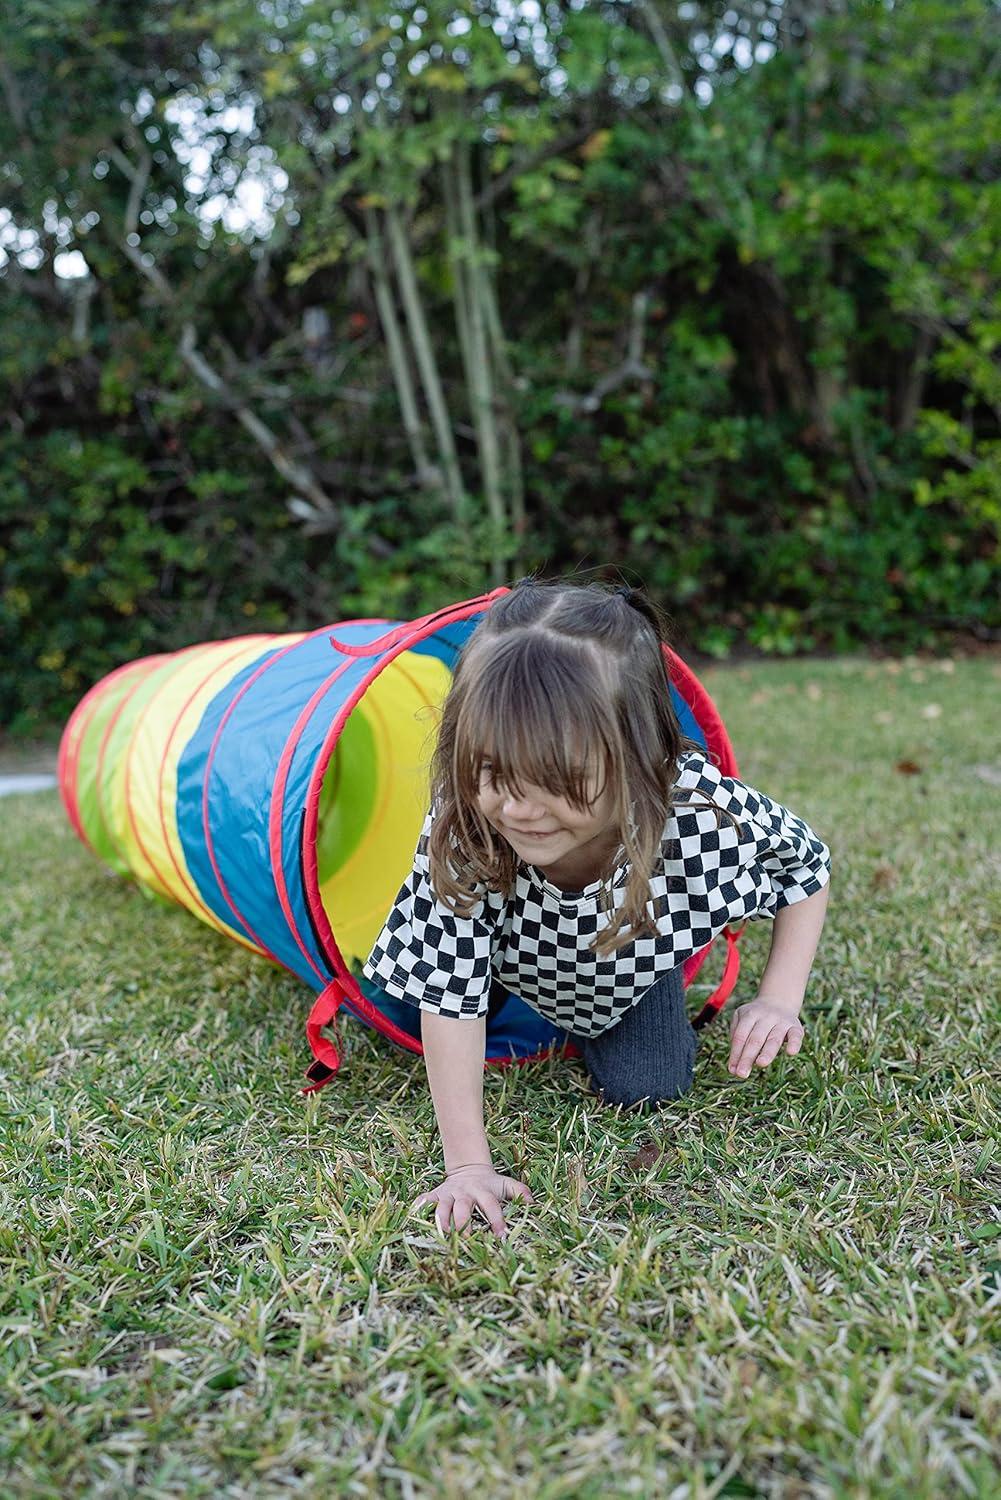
(544, 828)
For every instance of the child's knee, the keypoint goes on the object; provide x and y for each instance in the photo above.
(645, 1061)
(642, 1094)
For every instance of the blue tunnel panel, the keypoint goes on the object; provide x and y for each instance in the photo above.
(515, 1030)
(190, 784)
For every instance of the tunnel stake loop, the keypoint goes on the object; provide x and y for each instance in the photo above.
(327, 1058)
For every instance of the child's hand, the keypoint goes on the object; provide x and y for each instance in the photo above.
(475, 1186)
(757, 1031)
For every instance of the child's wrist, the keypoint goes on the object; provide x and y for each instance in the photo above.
(465, 1148)
(783, 999)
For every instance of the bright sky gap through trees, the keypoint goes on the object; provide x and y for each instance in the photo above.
(246, 202)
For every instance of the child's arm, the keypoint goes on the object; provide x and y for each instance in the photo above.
(791, 867)
(454, 1050)
(453, 1056)
(759, 1028)
(795, 934)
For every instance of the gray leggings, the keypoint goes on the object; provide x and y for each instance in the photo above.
(650, 1054)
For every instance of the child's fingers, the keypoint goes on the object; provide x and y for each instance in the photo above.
(770, 1050)
(746, 1048)
(762, 1044)
(445, 1208)
(512, 1188)
(425, 1199)
(441, 1201)
(458, 1207)
(462, 1205)
(490, 1208)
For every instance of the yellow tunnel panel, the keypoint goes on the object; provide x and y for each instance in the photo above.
(375, 796)
(84, 748)
(155, 751)
(122, 781)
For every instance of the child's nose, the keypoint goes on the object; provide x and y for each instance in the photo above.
(521, 808)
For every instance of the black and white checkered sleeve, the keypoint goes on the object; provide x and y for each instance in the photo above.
(428, 956)
(792, 860)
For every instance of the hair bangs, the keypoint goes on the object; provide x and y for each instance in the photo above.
(563, 687)
(530, 720)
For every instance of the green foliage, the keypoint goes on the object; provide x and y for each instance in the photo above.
(804, 454)
(93, 577)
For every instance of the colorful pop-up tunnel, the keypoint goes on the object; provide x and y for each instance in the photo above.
(276, 785)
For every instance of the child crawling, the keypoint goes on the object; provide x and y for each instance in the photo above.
(579, 847)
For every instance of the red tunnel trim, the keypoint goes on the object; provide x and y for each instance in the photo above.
(402, 640)
(206, 828)
(68, 762)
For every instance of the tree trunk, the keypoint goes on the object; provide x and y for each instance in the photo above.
(574, 347)
(912, 389)
(424, 353)
(479, 373)
(428, 475)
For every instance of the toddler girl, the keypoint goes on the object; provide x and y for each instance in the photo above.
(579, 847)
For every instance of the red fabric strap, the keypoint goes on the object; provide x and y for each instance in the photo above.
(327, 1058)
(718, 999)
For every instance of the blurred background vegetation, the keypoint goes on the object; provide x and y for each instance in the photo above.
(311, 313)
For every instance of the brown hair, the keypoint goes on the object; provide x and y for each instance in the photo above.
(555, 674)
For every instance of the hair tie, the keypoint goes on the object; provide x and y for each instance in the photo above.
(627, 593)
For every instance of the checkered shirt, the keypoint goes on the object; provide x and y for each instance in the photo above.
(536, 942)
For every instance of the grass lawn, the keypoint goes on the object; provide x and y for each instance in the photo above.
(782, 1286)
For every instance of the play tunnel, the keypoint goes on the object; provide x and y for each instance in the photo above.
(276, 786)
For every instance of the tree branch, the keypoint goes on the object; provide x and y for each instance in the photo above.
(310, 503)
(631, 368)
(658, 31)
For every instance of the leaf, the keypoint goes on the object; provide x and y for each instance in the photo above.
(446, 77)
(596, 145)
(648, 1154)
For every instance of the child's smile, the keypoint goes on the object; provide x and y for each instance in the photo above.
(570, 846)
